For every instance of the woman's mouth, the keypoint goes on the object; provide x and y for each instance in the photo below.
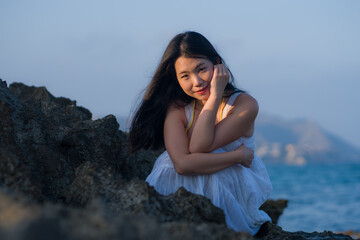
(202, 91)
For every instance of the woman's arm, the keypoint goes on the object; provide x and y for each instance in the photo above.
(206, 138)
(204, 128)
(177, 145)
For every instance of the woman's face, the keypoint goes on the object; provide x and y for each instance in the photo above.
(194, 76)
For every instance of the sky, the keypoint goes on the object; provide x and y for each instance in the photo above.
(299, 59)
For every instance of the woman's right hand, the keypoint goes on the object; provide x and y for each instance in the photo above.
(219, 79)
(246, 155)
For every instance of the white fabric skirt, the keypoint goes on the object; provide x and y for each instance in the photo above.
(237, 190)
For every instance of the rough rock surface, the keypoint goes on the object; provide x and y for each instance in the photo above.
(66, 176)
(274, 209)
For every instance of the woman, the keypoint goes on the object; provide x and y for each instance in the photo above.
(207, 126)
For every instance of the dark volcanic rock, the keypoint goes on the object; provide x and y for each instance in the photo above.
(47, 138)
(274, 209)
(13, 172)
(139, 164)
(24, 220)
(97, 141)
(65, 176)
(273, 232)
(137, 197)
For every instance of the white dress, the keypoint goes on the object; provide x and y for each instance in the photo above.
(237, 190)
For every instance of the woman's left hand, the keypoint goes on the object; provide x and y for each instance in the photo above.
(219, 79)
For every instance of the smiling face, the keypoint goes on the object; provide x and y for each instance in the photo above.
(194, 76)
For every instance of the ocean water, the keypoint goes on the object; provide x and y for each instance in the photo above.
(321, 197)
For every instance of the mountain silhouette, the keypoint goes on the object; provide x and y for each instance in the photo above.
(299, 142)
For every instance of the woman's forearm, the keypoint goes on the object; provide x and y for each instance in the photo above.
(207, 163)
(204, 128)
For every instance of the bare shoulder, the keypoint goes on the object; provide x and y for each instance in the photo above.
(245, 101)
(175, 112)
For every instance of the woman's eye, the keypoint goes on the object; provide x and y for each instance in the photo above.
(202, 69)
(184, 76)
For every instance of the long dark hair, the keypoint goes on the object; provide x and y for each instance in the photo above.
(146, 129)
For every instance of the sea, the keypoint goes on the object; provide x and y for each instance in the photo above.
(321, 196)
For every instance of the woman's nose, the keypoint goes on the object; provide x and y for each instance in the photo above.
(197, 80)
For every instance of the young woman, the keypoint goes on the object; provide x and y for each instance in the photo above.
(206, 125)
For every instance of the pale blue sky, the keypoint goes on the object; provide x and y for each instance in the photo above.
(300, 59)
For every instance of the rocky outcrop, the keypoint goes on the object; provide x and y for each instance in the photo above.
(65, 176)
(274, 209)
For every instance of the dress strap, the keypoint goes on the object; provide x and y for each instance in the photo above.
(229, 103)
(190, 112)
(222, 108)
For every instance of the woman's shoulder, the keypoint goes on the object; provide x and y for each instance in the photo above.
(176, 111)
(176, 107)
(244, 98)
(244, 101)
